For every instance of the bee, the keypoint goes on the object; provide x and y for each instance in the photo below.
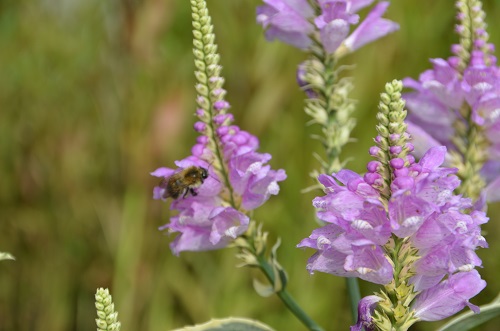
(184, 182)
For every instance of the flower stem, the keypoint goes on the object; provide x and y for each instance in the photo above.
(354, 296)
(331, 108)
(287, 299)
(328, 104)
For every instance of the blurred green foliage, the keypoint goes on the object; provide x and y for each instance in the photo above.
(96, 94)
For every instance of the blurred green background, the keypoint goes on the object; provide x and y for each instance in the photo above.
(96, 94)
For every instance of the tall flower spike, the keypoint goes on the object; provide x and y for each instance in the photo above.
(107, 318)
(456, 104)
(401, 226)
(323, 29)
(233, 177)
(225, 177)
(471, 29)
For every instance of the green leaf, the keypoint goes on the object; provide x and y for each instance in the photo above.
(468, 320)
(6, 256)
(229, 324)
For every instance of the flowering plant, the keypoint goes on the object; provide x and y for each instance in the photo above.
(411, 223)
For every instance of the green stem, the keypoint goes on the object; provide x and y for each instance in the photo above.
(287, 299)
(354, 296)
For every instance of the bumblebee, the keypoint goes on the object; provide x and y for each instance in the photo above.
(184, 182)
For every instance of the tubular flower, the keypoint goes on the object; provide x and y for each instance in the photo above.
(365, 310)
(422, 208)
(456, 104)
(234, 178)
(295, 21)
(400, 225)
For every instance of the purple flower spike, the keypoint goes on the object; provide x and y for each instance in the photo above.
(366, 307)
(454, 86)
(401, 213)
(449, 297)
(289, 21)
(348, 246)
(421, 212)
(204, 220)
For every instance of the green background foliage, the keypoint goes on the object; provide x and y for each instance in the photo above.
(96, 94)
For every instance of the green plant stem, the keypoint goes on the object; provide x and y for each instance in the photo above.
(287, 299)
(354, 296)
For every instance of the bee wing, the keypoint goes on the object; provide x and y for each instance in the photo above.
(164, 184)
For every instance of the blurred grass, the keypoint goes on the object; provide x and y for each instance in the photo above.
(94, 95)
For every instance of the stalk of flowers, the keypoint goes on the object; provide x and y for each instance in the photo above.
(401, 226)
(238, 178)
(224, 179)
(457, 104)
(323, 29)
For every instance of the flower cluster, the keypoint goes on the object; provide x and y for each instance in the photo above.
(293, 22)
(435, 108)
(211, 211)
(422, 208)
(457, 104)
(209, 220)
(400, 225)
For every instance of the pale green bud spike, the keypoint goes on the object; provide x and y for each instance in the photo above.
(107, 317)
(210, 85)
(207, 59)
(471, 28)
(391, 133)
(469, 138)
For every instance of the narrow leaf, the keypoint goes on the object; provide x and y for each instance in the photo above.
(229, 324)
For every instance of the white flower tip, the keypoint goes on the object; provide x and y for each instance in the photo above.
(461, 227)
(262, 18)
(322, 242)
(445, 195)
(232, 232)
(255, 167)
(361, 225)
(273, 188)
(412, 220)
(466, 267)
(364, 270)
(482, 87)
